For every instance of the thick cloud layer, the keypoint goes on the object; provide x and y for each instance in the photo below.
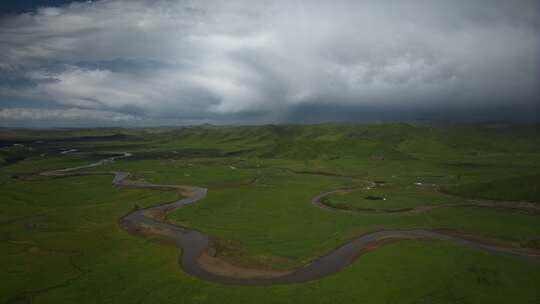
(73, 116)
(250, 62)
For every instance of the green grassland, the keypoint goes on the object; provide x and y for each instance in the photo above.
(61, 242)
(391, 197)
(517, 188)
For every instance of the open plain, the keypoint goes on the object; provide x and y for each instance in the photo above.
(386, 212)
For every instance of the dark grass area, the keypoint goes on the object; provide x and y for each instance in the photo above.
(61, 242)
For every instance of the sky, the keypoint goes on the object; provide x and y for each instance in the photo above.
(165, 62)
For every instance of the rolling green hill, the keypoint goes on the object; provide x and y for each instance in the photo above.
(520, 188)
(393, 140)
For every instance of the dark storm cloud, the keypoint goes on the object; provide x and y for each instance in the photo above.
(253, 62)
(18, 6)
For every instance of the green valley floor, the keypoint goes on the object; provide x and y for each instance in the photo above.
(62, 241)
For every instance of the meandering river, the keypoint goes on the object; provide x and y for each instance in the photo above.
(151, 222)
